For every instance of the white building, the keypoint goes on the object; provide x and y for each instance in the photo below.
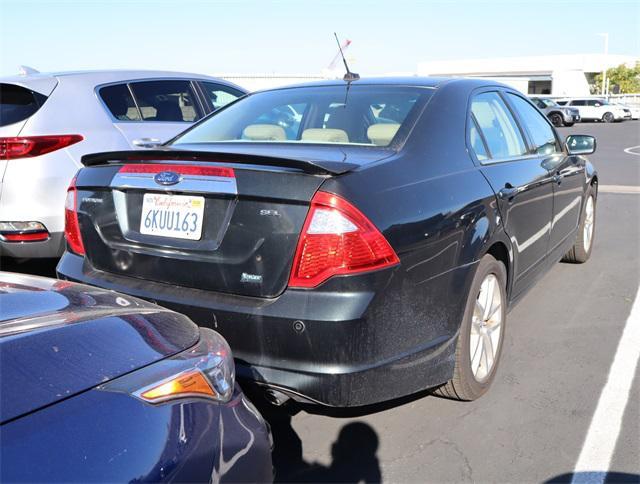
(556, 75)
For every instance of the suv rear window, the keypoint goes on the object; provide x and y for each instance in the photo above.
(18, 103)
(345, 114)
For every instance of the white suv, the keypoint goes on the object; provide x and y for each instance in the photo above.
(597, 110)
(48, 121)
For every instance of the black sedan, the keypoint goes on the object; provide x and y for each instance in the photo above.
(366, 247)
(100, 387)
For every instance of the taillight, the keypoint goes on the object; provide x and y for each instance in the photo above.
(23, 232)
(71, 225)
(30, 146)
(337, 239)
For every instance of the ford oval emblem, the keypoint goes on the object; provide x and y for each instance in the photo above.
(167, 178)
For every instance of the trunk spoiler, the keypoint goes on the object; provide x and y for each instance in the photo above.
(313, 167)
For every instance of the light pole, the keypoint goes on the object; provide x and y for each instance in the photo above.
(606, 52)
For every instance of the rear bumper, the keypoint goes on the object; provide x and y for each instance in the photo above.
(338, 346)
(52, 247)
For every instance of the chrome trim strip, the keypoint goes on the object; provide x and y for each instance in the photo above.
(188, 183)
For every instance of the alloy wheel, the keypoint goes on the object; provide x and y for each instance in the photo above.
(486, 328)
(589, 215)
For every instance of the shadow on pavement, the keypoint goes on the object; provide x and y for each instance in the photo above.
(586, 477)
(353, 453)
(38, 267)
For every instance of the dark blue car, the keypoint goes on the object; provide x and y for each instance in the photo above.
(97, 386)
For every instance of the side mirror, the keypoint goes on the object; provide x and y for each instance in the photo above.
(580, 144)
(146, 142)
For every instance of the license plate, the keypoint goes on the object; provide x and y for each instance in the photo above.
(175, 216)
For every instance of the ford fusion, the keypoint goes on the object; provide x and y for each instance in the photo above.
(100, 387)
(353, 241)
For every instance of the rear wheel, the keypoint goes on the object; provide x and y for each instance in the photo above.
(581, 250)
(556, 120)
(608, 117)
(481, 334)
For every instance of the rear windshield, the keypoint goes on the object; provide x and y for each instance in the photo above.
(352, 115)
(18, 103)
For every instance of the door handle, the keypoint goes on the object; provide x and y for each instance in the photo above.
(508, 192)
(558, 178)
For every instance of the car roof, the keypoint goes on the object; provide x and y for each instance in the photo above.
(414, 81)
(96, 77)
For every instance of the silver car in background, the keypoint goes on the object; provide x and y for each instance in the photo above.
(558, 115)
(48, 121)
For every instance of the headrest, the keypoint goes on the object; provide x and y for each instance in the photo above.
(264, 132)
(325, 135)
(381, 134)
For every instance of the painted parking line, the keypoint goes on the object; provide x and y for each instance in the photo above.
(599, 445)
(631, 150)
(621, 189)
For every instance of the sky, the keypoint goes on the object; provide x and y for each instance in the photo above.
(296, 37)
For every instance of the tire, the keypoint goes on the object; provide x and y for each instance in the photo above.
(556, 120)
(582, 247)
(466, 383)
(568, 125)
(608, 117)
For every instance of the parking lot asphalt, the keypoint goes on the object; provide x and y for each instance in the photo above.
(530, 427)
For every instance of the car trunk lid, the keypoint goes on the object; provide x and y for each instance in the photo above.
(255, 200)
(58, 339)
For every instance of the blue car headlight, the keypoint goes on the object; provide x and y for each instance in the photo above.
(205, 370)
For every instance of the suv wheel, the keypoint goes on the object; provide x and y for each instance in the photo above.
(556, 120)
(608, 117)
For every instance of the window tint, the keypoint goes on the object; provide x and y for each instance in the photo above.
(577, 102)
(18, 103)
(498, 126)
(119, 102)
(219, 95)
(476, 142)
(168, 101)
(540, 132)
(344, 114)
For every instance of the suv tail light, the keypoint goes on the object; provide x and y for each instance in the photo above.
(337, 239)
(71, 225)
(30, 146)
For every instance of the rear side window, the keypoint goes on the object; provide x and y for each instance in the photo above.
(540, 132)
(577, 103)
(120, 103)
(18, 103)
(498, 127)
(219, 95)
(168, 101)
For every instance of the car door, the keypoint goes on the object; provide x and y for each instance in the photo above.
(567, 170)
(152, 110)
(521, 181)
(581, 106)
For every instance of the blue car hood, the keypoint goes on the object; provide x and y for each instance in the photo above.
(58, 339)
